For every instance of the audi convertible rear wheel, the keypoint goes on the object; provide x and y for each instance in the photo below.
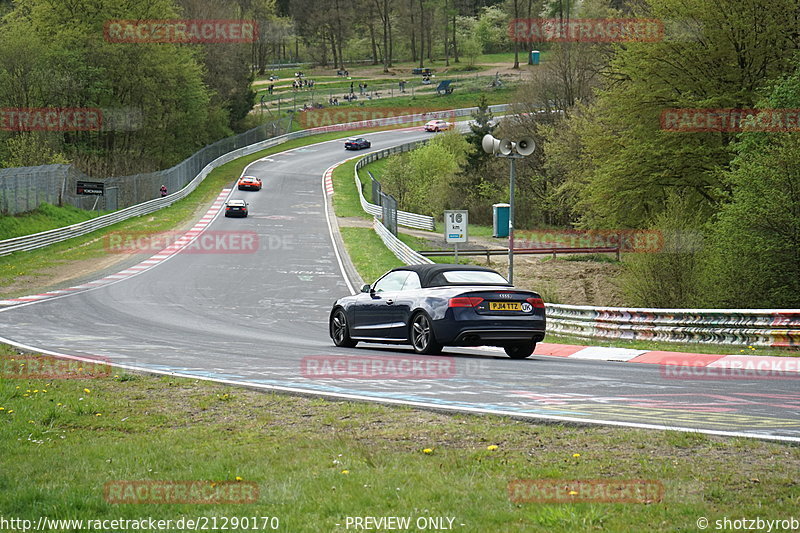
(520, 350)
(340, 331)
(422, 337)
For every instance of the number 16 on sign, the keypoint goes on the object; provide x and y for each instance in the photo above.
(455, 228)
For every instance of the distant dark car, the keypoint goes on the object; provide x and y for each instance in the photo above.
(431, 306)
(236, 208)
(249, 183)
(356, 144)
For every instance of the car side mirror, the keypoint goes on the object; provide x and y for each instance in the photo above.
(366, 288)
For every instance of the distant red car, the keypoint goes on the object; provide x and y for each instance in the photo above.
(249, 183)
(438, 125)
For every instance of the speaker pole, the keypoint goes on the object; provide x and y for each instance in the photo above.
(512, 179)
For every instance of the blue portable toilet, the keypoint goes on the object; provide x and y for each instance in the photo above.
(500, 214)
(534, 57)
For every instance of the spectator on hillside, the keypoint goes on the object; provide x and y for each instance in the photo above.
(163, 191)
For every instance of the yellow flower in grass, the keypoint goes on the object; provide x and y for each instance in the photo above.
(492, 447)
(87, 391)
(98, 414)
(427, 450)
(576, 455)
(238, 478)
(573, 493)
(345, 472)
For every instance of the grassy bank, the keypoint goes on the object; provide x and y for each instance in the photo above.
(46, 217)
(315, 462)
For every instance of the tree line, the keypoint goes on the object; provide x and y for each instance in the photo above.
(168, 100)
(336, 32)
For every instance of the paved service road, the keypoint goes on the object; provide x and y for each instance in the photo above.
(261, 318)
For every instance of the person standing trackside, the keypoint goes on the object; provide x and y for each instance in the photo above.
(163, 191)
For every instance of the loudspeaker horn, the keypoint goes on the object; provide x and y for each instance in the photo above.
(526, 146)
(490, 144)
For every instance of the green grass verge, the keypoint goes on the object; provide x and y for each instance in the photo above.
(369, 255)
(345, 200)
(425, 101)
(46, 217)
(316, 462)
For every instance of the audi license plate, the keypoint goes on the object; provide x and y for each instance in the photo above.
(505, 306)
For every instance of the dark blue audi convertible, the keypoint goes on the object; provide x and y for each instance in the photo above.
(432, 306)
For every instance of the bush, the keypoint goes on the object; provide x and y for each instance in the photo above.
(668, 277)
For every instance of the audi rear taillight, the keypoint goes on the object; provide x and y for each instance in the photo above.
(537, 303)
(465, 301)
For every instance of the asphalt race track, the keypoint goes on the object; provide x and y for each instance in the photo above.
(261, 319)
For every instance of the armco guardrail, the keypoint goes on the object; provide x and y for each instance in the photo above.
(749, 327)
(46, 238)
(403, 252)
(404, 218)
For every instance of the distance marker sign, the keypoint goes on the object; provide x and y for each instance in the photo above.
(455, 226)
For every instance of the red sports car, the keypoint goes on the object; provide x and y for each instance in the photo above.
(249, 183)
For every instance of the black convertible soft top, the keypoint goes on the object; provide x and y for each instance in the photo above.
(431, 275)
